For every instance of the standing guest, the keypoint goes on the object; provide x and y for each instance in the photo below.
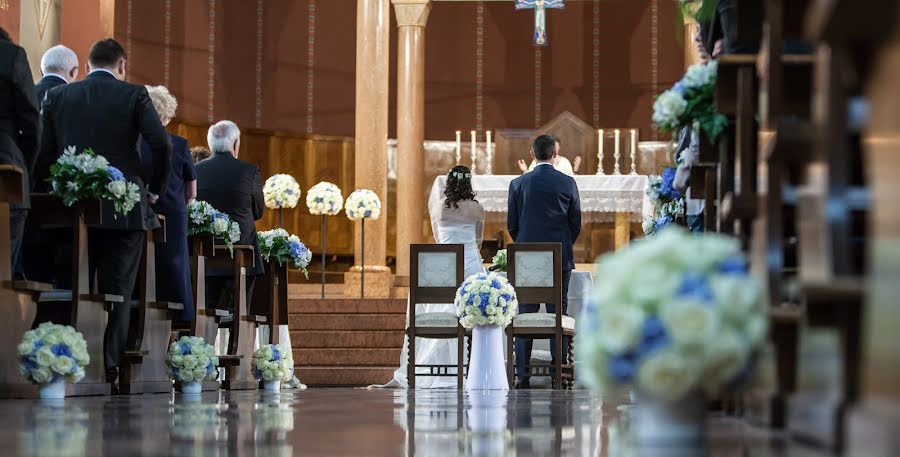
(59, 65)
(234, 188)
(107, 114)
(561, 163)
(199, 153)
(173, 275)
(19, 130)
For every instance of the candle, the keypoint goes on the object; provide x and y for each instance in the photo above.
(600, 152)
(490, 152)
(458, 147)
(473, 152)
(633, 146)
(616, 155)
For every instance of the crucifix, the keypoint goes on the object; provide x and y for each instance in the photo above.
(540, 16)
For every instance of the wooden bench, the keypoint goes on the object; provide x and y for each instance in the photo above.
(270, 299)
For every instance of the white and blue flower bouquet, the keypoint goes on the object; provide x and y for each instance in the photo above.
(325, 199)
(76, 177)
(203, 218)
(363, 204)
(486, 299)
(282, 247)
(52, 353)
(273, 363)
(192, 360)
(691, 102)
(499, 262)
(281, 191)
(672, 317)
(667, 201)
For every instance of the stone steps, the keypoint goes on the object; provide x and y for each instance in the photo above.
(319, 376)
(347, 306)
(332, 321)
(351, 339)
(344, 357)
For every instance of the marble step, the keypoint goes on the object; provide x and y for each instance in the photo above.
(312, 339)
(359, 357)
(317, 376)
(333, 321)
(347, 306)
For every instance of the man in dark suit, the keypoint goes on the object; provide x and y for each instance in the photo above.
(106, 114)
(234, 188)
(544, 207)
(19, 129)
(59, 66)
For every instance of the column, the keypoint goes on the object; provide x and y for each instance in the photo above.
(412, 16)
(372, 33)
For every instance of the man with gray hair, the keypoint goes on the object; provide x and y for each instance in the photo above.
(59, 66)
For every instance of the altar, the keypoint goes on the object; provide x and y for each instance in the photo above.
(604, 198)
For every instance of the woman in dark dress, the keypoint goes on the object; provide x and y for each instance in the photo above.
(173, 274)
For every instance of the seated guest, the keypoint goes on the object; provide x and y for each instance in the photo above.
(233, 187)
(199, 153)
(173, 275)
(561, 163)
(59, 66)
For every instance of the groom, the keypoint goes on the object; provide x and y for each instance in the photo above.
(544, 208)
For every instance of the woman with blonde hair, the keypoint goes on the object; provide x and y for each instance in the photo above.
(173, 275)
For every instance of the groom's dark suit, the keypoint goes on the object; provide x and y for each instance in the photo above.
(544, 208)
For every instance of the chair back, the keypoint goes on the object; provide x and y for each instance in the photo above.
(535, 271)
(436, 272)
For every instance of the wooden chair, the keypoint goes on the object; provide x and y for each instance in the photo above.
(19, 297)
(270, 298)
(535, 271)
(144, 369)
(436, 272)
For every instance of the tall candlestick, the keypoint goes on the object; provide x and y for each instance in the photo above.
(616, 155)
(473, 152)
(458, 148)
(633, 146)
(490, 153)
(600, 152)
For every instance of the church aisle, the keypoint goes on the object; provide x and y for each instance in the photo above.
(350, 422)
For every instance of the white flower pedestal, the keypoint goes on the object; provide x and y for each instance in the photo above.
(53, 390)
(677, 423)
(487, 421)
(191, 387)
(487, 370)
(273, 386)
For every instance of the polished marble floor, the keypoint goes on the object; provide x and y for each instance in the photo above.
(351, 422)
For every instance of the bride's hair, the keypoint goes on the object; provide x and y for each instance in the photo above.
(459, 186)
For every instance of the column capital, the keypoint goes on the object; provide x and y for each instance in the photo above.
(412, 12)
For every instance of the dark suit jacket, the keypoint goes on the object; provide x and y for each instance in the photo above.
(182, 170)
(544, 207)
(19, 125)
(107, 115)
(234, 188)
(45, 84)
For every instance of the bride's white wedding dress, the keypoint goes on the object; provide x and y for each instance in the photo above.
(463, 225)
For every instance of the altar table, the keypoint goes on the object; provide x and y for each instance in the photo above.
(604, 198)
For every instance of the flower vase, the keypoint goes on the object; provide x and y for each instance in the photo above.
(273, 386)
(53, 390)
(487, 370)
(670, 423)
(324, 239)
(191, 387)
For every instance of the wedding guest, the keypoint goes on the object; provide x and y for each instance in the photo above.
(59, 66)
(233, 187)
(173, 275)
(199, 153)
(561, 163)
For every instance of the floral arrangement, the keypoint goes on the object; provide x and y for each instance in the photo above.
(51, 352)
(203, 218)
(691, 102)
(324, 199)
(273, 417)
(192, 359)
(667, 201)
(281, 191)
(673, 315)
(54, 432)
(273, 362)
(363, 204)
(486, 299)
(190, 420)
(76, 177)
(277, 244)
(499, 261)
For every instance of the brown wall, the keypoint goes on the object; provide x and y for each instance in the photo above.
(567, 82)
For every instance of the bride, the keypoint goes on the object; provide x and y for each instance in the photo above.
(459, 219)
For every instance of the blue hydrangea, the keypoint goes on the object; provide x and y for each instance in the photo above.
(61, 349)
(653, 336)
(733, 266)
(678, 87)
(695, 286)
(622, 368)
(115, 174)
(662, 221)
(667, 188)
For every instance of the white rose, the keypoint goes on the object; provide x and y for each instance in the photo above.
(42, 375)
(689, 322)
(190, 362)
(655, 284)
(62, 365)
(648, 225)
(25, 348)
(52, 338)
(668, 107)
(117, 188)
(667, 375)
(738, 295)
(220, 225)
(756, 329)
(724, 361)
(620, 327)
(176, 360)
(44, 357)
(75, 377)
(200, 373)
(268, 375)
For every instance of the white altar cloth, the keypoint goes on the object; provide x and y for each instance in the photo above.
(601, 196)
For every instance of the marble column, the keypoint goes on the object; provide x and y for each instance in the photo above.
(372, 43)
(412, 16)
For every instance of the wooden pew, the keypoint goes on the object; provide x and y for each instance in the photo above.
(19, 298)
(87, 310)
(144, 369)
(270, 298)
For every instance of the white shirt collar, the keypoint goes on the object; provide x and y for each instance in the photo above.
(543, 163)
(103, 70)
(57, 76)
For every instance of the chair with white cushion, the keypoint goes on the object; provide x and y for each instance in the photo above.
(436, 271)
(535, 271)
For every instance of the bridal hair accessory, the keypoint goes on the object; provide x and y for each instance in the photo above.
(460, 175)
